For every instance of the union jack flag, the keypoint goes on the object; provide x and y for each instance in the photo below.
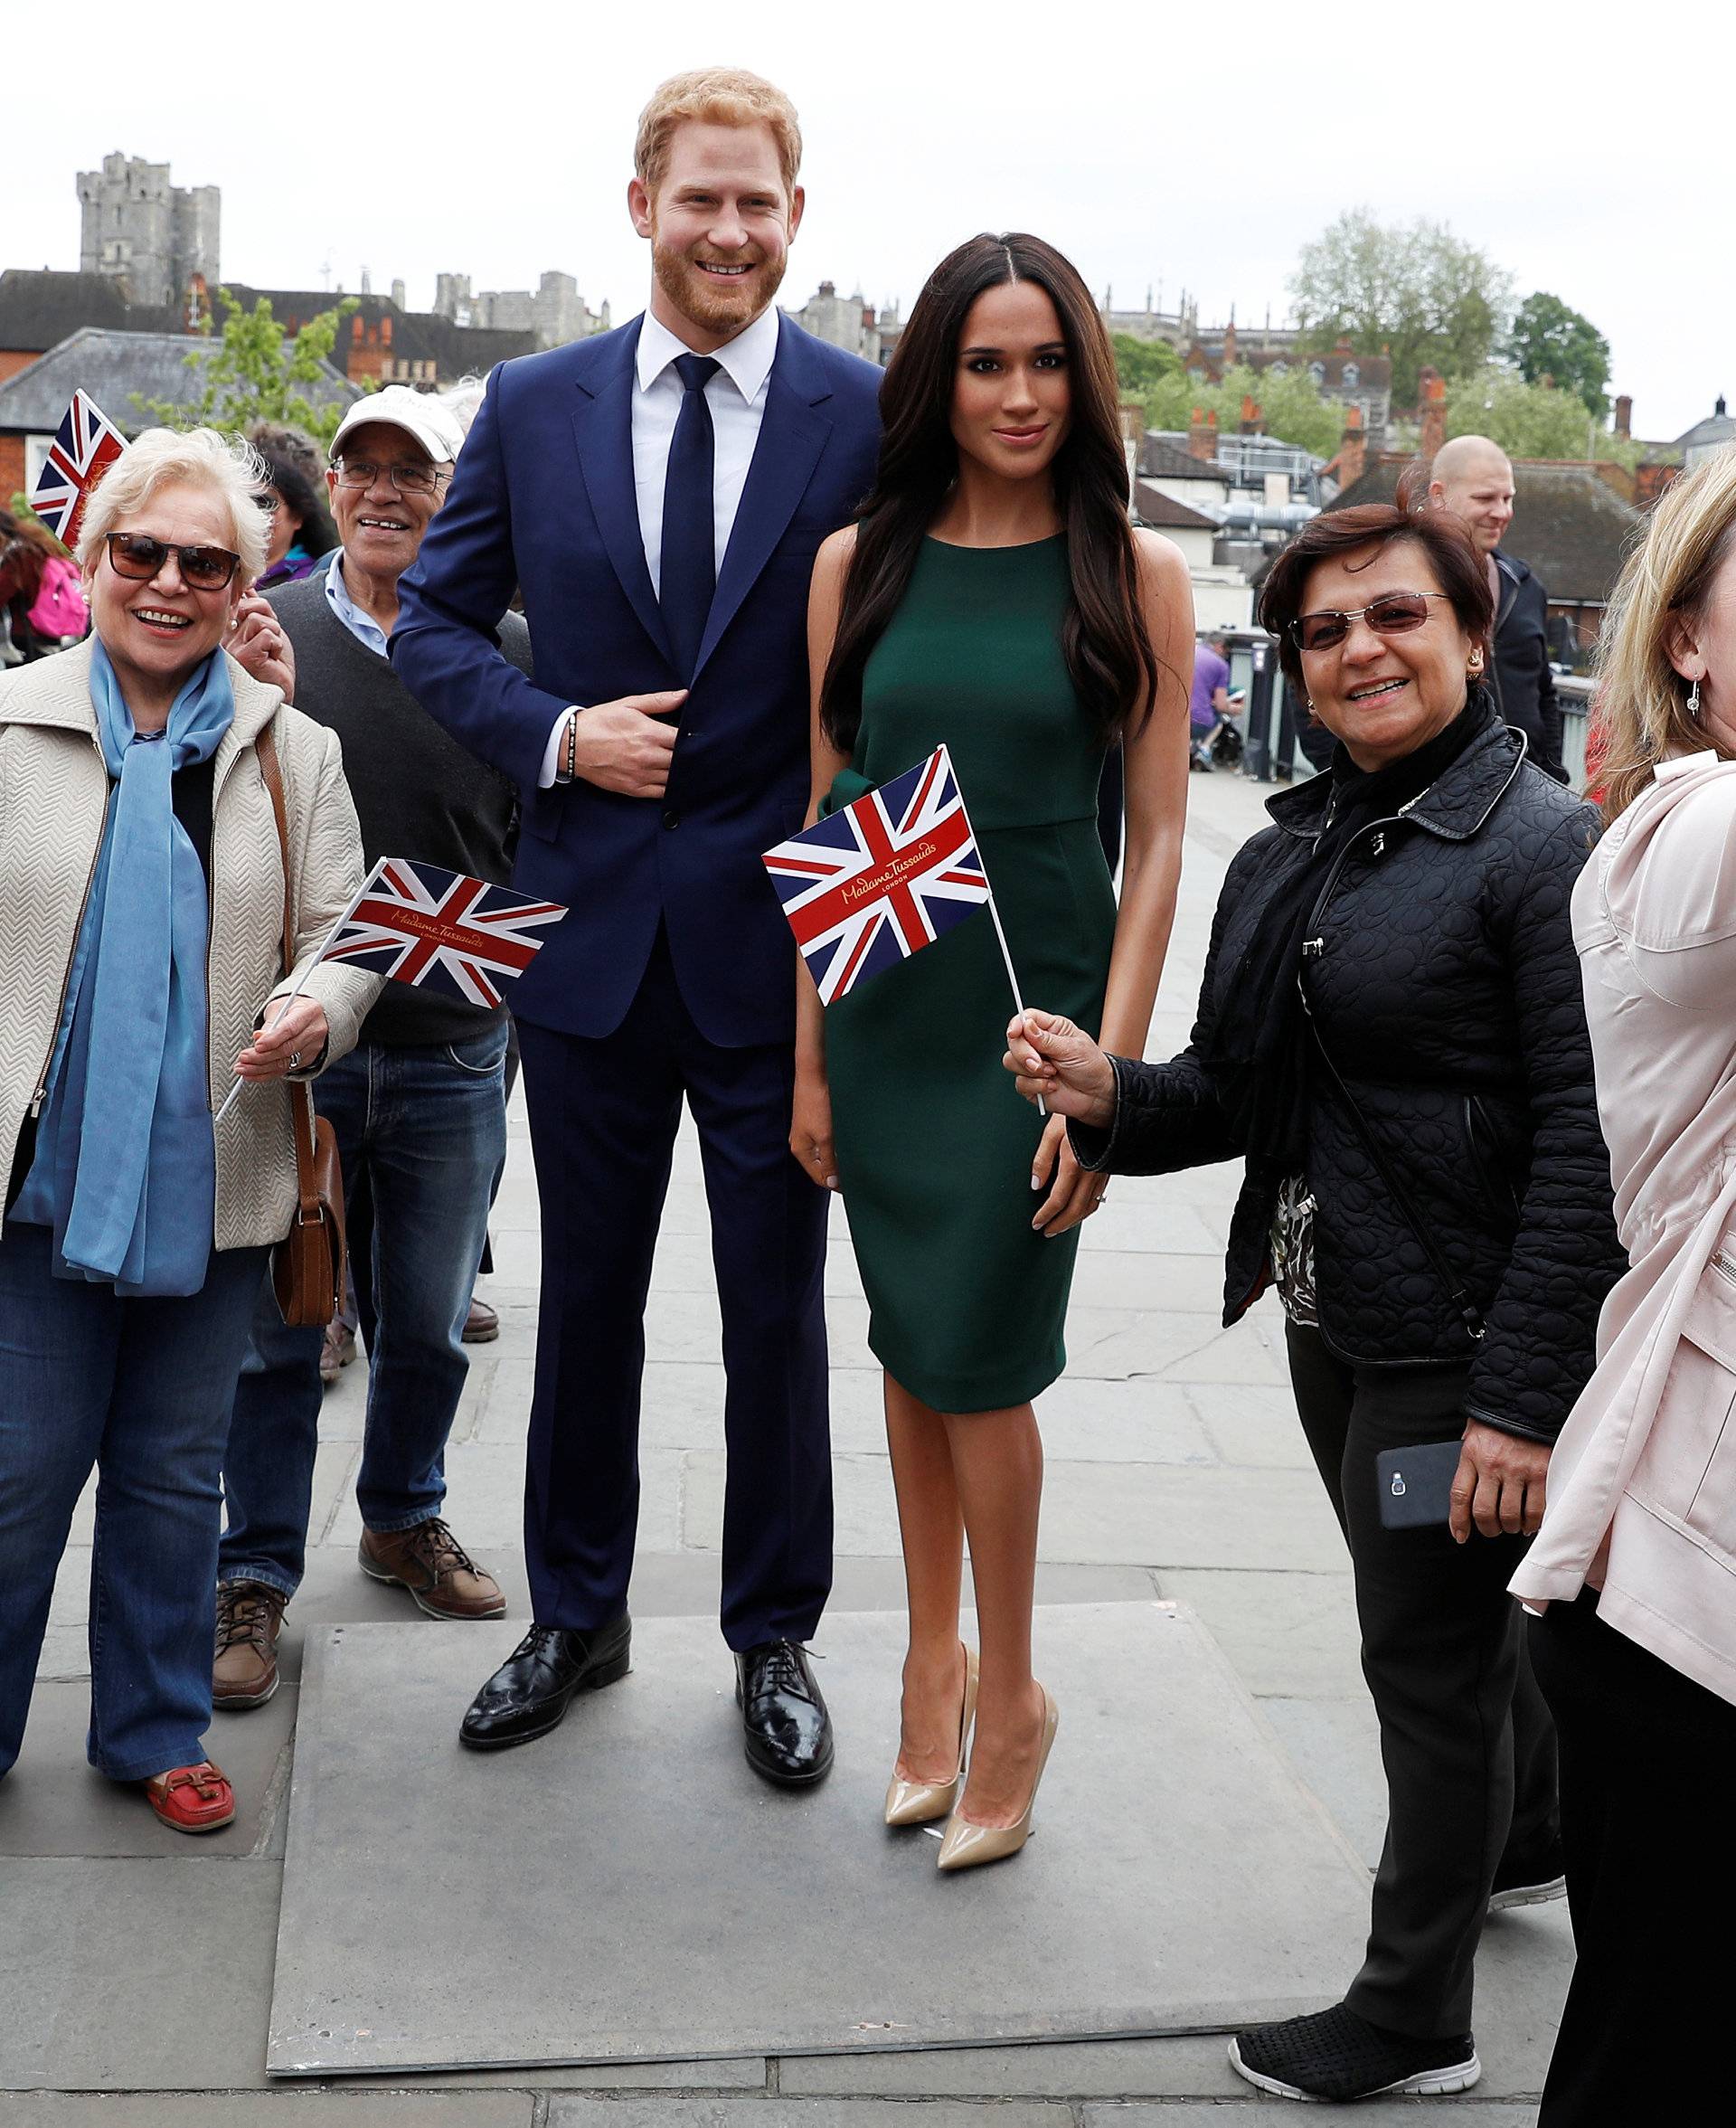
(878, 880)
(419, 924)
(85, 446)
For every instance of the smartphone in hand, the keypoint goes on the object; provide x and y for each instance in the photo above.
(1416, 1483)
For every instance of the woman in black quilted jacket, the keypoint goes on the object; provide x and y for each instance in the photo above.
(1392, 1036)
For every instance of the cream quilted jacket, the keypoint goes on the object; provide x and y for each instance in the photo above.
(53, 794)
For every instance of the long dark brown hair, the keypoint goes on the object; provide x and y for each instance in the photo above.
(1108, 648)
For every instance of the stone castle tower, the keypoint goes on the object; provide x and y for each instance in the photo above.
(155, 236)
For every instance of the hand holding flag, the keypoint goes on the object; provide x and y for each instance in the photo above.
(442, 930)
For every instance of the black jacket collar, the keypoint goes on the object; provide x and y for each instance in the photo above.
(1454, 807)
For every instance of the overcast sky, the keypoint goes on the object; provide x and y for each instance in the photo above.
(1588, 150)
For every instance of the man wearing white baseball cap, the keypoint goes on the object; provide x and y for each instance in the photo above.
(419, 1107)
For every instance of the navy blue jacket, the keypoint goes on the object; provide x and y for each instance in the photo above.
(544, 501)
(1521, 676)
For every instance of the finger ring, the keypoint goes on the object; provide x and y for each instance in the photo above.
(295, 1060)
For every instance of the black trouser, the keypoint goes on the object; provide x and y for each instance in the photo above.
(604, 1113)
(1466, 1738)
(1646, 1757)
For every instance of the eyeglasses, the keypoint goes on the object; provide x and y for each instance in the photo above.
(138, 556)
(406, 480)
(1395, 615)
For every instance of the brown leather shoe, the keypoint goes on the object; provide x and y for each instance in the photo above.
(482, 1325)
(245, 1667)
(434, 1566)
(336, 1350)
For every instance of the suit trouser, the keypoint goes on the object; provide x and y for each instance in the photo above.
(603, 1119)
(1646, 1756)
(1466, 1736)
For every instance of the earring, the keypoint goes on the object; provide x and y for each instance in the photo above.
(1694, 703)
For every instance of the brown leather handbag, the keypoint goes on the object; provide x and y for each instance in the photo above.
(308, 1264)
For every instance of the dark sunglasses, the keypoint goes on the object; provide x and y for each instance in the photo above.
(1395, 615)
(138, 557)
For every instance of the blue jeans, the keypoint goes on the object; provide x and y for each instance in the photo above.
(422, 1136)
(140, 1389)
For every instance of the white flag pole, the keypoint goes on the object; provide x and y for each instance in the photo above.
(291, 996)
(994, 911)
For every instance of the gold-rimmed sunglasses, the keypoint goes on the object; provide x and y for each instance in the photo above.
(1395, 615)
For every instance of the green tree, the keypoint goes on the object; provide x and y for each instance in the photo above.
(1549, 340)
(1527, 421)
(1291, 406)
(1142, 364)
(1417, 291)
(254, 372)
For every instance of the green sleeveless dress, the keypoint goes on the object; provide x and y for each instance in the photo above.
(934, 1144)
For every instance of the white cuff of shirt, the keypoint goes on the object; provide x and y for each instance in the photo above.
(552, 752)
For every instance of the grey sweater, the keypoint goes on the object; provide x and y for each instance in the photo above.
(418, 793)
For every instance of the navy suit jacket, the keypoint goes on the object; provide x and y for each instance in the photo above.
(542, 500)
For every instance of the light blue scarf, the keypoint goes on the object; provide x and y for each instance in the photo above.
(126, 1163)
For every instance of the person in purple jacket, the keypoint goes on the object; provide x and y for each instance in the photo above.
(1208, 698)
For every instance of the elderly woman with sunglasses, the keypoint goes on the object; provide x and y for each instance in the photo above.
(142, 888)
(1390, 1036)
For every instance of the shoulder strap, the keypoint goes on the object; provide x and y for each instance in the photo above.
(301, 1102)
(272, 769)
(1470, 1313)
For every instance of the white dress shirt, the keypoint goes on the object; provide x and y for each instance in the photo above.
(736, 396)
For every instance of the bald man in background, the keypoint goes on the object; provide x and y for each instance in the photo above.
(1473, 477)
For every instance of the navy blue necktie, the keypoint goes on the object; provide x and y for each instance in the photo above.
(689, 568)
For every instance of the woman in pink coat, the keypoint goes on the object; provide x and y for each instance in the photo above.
(1634, 1570)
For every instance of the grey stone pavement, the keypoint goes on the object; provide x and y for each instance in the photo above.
(1175, 1468)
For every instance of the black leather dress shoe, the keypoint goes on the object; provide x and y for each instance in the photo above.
(529, 1693)
(788, 1732)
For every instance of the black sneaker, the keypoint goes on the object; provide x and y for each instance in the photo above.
(1529, 1881)
(1335, 2054)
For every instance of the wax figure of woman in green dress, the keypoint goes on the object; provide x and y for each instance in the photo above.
(994, 597)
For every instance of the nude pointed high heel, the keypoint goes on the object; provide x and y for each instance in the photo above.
(917, 1803)
(966, 1845)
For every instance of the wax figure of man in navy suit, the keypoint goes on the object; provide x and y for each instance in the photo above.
(657, 494)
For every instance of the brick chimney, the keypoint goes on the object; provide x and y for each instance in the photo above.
(1341, 345)
(1252, 419)
(1624, 416)
(1201, 444)
(1431, 406)
(1353, 450)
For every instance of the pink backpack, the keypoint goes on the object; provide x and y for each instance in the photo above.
(60, 608)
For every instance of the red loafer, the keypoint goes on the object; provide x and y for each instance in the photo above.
(192, 1799)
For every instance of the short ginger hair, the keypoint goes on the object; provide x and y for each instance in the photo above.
(719, 96)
